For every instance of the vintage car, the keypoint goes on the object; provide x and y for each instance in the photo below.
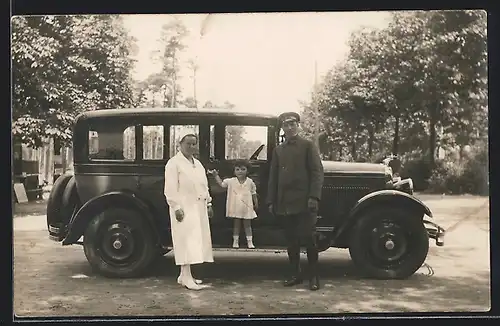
(114, 198)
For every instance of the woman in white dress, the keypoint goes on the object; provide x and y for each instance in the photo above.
(187, 194)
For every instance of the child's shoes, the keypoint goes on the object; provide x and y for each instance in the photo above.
(250, 243)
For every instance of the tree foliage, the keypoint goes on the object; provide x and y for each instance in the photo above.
(420, 83)
(64, 65)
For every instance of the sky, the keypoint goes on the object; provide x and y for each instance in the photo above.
(259, 62)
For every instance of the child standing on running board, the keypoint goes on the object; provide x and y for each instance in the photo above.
(241, 202)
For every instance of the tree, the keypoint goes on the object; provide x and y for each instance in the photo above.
(171, 39)
(462, 78)
(423, 78)
(155, 91)
(64, 65)
(194, 67)
(189, 102)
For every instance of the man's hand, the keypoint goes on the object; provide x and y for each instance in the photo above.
(271, 208)
(210, 212)
(312, 204)
(179, 215)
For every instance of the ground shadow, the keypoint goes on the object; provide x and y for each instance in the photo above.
(38, 207)
(343, 289)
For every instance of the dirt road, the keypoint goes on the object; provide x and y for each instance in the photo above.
(51, 280)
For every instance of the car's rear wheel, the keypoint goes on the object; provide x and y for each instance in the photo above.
(389, 243)
(70, 200)
(119, 243)
(56, 220)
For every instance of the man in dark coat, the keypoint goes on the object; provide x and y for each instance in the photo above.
(294, 192)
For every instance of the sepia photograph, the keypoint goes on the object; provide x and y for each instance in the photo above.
(250, 164)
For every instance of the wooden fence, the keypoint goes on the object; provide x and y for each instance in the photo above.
(49, 163)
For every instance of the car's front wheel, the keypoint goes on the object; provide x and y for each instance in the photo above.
(119, 243)
(389, 243)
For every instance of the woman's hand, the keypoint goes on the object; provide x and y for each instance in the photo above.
(179, 215)
(210, 211)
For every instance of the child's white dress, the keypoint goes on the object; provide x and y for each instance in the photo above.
(239, 203)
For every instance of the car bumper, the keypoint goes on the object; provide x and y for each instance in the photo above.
(435, 232)
(57, 233)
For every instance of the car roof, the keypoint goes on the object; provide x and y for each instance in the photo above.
(206, 112)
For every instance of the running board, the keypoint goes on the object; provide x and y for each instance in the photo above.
(276, 250)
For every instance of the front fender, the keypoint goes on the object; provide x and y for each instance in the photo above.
(98, 204)
(382, 198)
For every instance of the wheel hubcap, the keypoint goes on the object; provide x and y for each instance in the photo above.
(118, 243)
(388, 243)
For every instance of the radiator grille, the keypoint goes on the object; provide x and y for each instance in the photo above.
(340, 199)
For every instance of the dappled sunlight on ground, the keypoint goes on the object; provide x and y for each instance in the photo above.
(50, 279)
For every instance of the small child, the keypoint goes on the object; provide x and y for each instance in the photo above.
(241, 202)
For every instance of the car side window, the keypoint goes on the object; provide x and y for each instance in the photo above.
(152, 142)
(243, 141)
(176, 132)
(107, 143)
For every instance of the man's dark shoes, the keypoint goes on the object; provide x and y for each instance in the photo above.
(314, 283)
(294, 280)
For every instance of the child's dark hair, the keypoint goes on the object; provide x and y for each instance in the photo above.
(242, 163)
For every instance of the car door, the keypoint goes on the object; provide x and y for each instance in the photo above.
(153, 155)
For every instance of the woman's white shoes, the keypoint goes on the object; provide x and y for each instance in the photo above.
(195, 281)
(192, 285)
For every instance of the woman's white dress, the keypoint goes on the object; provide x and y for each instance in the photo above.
(186, 187)
(239, 202)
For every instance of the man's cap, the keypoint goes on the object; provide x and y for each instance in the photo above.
(289, 116)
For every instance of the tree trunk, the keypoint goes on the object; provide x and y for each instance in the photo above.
(395, 144)
(165, 98)
(353, 148)
(460, 153)
(174, 84)
(194, 88)
(371, 139)
(63, 159)
(432, 138)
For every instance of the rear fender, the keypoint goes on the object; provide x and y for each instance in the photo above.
(392, 198)
(96, 205)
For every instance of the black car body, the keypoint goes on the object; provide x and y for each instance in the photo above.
(115, 200)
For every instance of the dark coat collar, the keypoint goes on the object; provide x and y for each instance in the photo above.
(292, 140)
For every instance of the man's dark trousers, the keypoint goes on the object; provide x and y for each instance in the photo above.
(300, 231)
